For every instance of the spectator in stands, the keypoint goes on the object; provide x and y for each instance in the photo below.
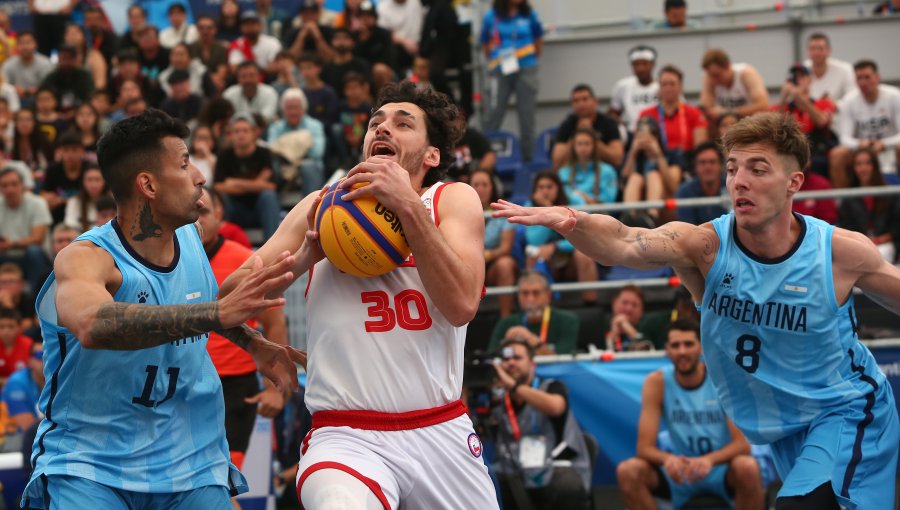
(404, 19)
(179, 30)
(730, 87)
(708, 181)
(323, 100)
(7, 37)
(632, 94)
(585, 114)
(823, 208)
(830, 77)
(203, 152)
(472, 152)
(62, 236)
(287, 76)
(128, 92)
(135, 107)
(349, 17)
(14, 345)
(869, 117)
(23, 389)
(682, 126)
(250, 96)
(547, 329)
(102, 38)
(708, 455)
(229, 22)
(628, 330)
(106, 210)
(180, 60)
(298, 140)
(274, 20)
(29, 145)
(14, 294)
(216, 114)
(499, 236)
(512, 39)
(86, 124)
(724, 123)
(28, 179)
(675, 17)
(26, 70)
(103, 106)
(549, 251)
(887, 8)
(87, 57)
(71, 84)
(245, 178)
(49, 18)
(253, 45)
(129, 69)
(876, 217)
(153, 59)
(207, 48)
(308, 35)
(378, 46)
(182, 103)
(353, 115)
(343, 61)
(810, 114)
(584, 175)
(63, 178)
(137, 20)
(537, 421)
(647, 173)
(24, 220)
(81, 209)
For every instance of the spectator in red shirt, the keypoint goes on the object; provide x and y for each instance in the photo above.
(813, 116)
(15, 348)
(823, 208)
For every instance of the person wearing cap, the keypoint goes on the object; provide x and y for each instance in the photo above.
(72, 84)
(248, 95)
(811, 114)
(284, 133)
(731, 87)
(183, 103)
(180, 31)
(307, 34)
(830, 77)
(674, 17)
(253, 45)
(633, 93)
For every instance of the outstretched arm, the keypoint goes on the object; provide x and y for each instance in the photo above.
(857, 262)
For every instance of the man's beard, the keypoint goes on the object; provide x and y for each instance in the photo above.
(413, 162)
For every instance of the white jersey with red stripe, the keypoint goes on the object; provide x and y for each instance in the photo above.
(380, 343)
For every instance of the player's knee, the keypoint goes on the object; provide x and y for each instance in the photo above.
(330, 489)
(630, 473)
(746, 471)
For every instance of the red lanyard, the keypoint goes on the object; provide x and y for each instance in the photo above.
(513, 419)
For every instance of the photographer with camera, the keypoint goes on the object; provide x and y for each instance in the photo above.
(542, 460)
(811, 115)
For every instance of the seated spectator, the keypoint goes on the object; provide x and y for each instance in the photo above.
(62, 236)
(307, 34)
(674, 17)
(586, 178)
(253, 46)
(103, 106)
(870, 117)
(86, 124)
(63, 178)
(135, 107)
(628, 329)
(708, 181)
(229, 20)
(24, 221)
(682, 126)
(323, 100)
(106, 210)
(180, 60)
(216, 114)
(404, 19)
(70, 83)
(249, 95)
(129, 69)
(378, 45)
(102, 38)
(49, 122)
(182, 102)
(23, 389)
(207, 48)
(153, 59)
(29, 145)
(724, 123)
(81, 209)
(15, 294)
(540, 447)
(647, 173)
(353, 119)
(499, 236)
(472, 152)
(876, 217)
(585, 113)
(87, 57)
(287, 76)
(26, 70)
(15, 347)
(550, 251)
(298, 140)
(709, 456)
(730, 87)
(179, 30)
(245, 178)
(831, 77)
(344, 62)
(887, 8)
(203, 152)
(813, 116)
(632, 94)
(137, 20)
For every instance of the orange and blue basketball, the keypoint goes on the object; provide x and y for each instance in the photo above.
(361, 237)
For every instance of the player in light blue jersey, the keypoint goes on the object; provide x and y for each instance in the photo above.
(709, 455)
(134, 416)
(779, 328)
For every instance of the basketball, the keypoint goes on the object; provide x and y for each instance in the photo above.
(362, 237)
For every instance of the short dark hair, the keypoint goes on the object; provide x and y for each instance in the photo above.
(25, 33)
(674, 4)
(669, 68)
(683, 325)
(69, 138)
(310, 57)
(518, 341)
(582, 87)
(820, 36)
(133, 145)
(177, 6)
(353, 76)
(443, 120)
(245, 64)
(709, 145)
(10, 314)
(6, 170)
(631, 288)
(104, 203)
(864, 63)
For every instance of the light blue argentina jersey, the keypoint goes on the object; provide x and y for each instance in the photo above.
(149, 420)
(778, 348)
(694, 418)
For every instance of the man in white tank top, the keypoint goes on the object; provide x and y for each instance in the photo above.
(386, 353)
(728, 87)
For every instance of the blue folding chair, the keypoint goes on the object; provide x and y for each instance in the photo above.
(543, 146)
(509, 153)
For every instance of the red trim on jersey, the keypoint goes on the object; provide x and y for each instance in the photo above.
(309, 281)
(409, 262)
(376, 420)
(305, 445)
(437, 196)
(371, 484)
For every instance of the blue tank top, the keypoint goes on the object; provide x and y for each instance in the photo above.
(778, 347)
(694, 418)
(149, 420)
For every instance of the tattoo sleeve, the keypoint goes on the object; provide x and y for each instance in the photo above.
(241, 335)
(127, 327)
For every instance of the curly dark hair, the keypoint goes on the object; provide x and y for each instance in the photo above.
(443, 120)
(133, 145)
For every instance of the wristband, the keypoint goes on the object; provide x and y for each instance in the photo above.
(572, 214)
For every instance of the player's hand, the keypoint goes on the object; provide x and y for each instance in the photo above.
(505, 380)
(559, 219)
(270, 400)
(387, 181)
(277, 362)
(675, 468)
(520, 331)
(250, 297)
(696, 468)
(311, 250)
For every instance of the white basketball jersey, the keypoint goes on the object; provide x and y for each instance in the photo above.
(736, 95)
(380, 343)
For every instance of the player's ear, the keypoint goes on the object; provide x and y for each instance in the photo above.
(146, 185)
(795, 182)
(432, 157)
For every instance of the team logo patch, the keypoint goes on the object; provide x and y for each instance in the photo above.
(142, 296)
(727, 280)
(474, 444)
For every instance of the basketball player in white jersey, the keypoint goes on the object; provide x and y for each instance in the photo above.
(728, 87)
(386, 353)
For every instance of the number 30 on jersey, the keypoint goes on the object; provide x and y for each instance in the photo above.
(409, 311)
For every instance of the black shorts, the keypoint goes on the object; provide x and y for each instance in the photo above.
(239, 415)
